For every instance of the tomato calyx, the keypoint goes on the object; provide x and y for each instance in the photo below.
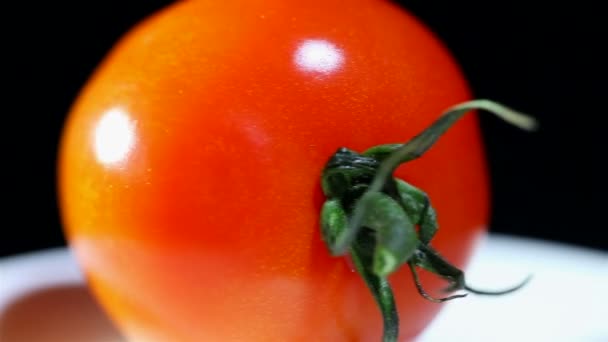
(383, 222)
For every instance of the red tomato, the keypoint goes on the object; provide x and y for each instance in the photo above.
(190, 167)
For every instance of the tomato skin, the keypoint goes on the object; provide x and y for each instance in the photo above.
(189, 167)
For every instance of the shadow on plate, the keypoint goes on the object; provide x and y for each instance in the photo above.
(60, 314)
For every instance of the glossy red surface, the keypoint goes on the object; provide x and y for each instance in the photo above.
(190, 165)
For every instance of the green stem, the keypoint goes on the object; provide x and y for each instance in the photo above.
(499, 292)
(374, 216)
(380, 288)
(429, 259)
(423, 293)
(417, 146)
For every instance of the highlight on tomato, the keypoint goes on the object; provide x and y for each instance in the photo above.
(273, 170)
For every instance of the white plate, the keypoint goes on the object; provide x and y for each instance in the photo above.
(43, 298)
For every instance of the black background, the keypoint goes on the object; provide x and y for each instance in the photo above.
(541, 59)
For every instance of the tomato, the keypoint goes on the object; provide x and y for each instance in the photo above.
(190, 163)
